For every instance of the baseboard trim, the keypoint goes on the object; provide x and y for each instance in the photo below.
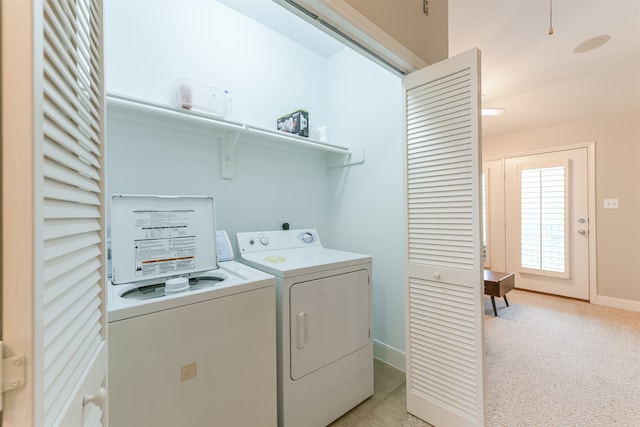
(624, 304)
(389, 355)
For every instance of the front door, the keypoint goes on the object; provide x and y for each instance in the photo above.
(547, 221)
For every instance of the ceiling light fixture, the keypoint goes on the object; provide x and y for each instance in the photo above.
(592, 43)
(493, 111)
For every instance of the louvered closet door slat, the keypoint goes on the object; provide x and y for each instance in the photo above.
(91, 34)
(58, 191)
(435, 172)
(64, 175)
(77, 109)
(70, 48)
(431, 322)
(69, 135)
(74, 304)
(82, 111)
(69, 159)
(69, 79)
(61, 210)
(431, 145)
(444, 334)
(450, 161)
(79, 356)
(433, 93)
(60, 228)
(440, 153)
(69, 244)
(72, 209)
(69, 262)
(81, 39)
(62, 284)
(443, 124)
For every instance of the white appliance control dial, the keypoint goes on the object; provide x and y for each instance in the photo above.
(252, 242)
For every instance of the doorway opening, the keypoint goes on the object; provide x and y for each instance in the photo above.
(540, 219)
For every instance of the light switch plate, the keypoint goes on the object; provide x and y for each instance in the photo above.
(611, 203)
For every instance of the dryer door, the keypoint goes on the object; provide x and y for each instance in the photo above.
(330, 318)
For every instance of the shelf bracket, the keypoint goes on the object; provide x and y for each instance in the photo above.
(229, 142)
(355, 156)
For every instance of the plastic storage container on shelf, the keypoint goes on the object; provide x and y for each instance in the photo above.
(196, 96)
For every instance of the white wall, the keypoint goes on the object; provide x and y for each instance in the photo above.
(365, 108)
(617, 141)
(269, 184)
(150, 44)
(357, 208)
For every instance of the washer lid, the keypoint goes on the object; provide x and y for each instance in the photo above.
(299, 261)
(155, 237)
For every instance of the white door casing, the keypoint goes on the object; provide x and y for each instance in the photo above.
(444, 294)
(494, 183)
(17, 202)
(58, 284)
(574, 279)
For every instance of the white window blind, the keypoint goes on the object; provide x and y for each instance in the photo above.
(543, 216)
(71, 216)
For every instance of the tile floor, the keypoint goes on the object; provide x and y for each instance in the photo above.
(388, 405)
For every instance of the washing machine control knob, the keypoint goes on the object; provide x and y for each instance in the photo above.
(307, 237)
(264, 240)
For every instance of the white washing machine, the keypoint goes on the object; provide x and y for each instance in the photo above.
(191, 340)
(324, 324)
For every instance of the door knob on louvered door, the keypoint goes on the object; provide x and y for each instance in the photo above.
(97, 399)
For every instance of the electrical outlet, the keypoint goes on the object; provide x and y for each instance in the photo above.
(611, 203)
(188, 371)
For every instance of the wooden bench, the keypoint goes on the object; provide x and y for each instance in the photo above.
(497, 284)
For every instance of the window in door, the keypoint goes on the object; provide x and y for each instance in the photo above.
(543, 216)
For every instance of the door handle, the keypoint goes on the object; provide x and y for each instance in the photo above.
(302, 326)
(583, 232)
(97, 399)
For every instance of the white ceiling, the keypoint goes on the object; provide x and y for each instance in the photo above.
(537, 77)
(279, 19)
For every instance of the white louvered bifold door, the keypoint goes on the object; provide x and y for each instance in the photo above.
(444, 290)
(69, 213)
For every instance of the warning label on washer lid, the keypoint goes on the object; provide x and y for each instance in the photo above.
(164, 255)
(163, 244)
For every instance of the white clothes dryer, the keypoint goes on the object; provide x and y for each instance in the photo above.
(324, 323)
(191, 340)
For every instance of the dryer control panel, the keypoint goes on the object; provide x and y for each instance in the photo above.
(261, 241)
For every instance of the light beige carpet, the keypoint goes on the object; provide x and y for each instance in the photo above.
(553, 361)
